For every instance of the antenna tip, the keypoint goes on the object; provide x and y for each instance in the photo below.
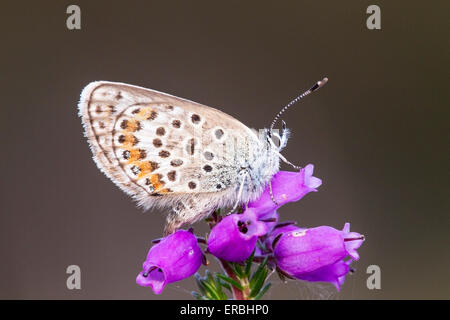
(323, 82)
(319, 84)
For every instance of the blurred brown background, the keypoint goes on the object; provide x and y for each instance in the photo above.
(377, 133)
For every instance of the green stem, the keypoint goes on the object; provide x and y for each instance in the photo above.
(237, 293)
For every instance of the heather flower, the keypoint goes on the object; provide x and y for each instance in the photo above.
(286, 187)
(174, 258)
(234, 238)
(300, 252)
(315, 254)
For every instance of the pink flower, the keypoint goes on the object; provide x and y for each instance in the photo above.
(234, 238)
(317, 254)
(174, 258)
(287, 187)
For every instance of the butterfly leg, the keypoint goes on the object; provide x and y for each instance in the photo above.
(244, 174)
(271, 193)
(288, 162)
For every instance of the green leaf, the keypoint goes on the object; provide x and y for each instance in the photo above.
(225, 284)
(207, 286)
(258, 283)
(211, 292)
(211, 286)
(208, 275)
(261, 293)
(258, 271)
(248, 266)
(222, 295)
(258, 278)
(230, 281)
(238, 270)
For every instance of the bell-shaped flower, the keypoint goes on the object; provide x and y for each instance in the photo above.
(287, 187)
(175, 257)
(299, 252)
(234, 238)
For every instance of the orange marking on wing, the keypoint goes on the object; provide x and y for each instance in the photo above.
(132, 125)
(146, 168)
(130, 140)
(156, 183)
(145, 113)
(135, 154)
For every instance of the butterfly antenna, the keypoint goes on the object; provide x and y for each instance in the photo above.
(318, 85)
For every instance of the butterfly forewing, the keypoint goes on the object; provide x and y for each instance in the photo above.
(153, 144)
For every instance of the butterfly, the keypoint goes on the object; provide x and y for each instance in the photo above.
(171, 153)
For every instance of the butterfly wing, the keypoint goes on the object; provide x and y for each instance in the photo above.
(158, 147)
